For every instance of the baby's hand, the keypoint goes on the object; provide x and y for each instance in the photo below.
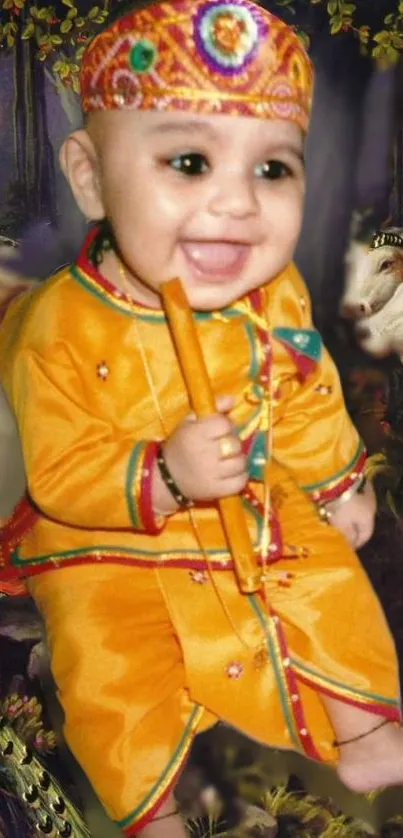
(356, 517)
(205, 459)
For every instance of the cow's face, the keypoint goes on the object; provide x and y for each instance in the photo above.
(372, 277)
(381, 334)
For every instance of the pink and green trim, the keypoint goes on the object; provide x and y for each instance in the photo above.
(388, 708)
(286, 681)
(147, 809)
(139, 488)
(340, 482)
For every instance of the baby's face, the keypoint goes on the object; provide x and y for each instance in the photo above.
(216, 201)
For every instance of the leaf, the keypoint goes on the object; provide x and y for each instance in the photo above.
(382, 37)
(42, 13)
(69, 3)
(335, 25)
(305, 39)
(10, 40)
(28, 32)
(80, 22)
(332, 7)
(95, 10)
(66, 26)
(393, 54)
(56, 40)
(64, 71)
(71, 14)
(385, 56)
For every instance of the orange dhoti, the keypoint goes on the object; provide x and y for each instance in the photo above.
(144, 658)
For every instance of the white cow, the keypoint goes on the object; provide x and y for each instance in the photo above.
(373, 294)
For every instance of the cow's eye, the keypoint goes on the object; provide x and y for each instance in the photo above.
(384, 266)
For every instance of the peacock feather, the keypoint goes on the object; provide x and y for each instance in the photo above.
(21, 734)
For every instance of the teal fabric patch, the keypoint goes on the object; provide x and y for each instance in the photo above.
(306, 342)
(257, 456)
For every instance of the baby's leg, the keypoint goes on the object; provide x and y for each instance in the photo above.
(167, 822)
(371, 748)
(121, 678)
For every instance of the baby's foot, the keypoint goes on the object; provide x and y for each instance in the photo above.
(373, 762)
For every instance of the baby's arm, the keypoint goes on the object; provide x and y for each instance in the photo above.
(86, 471)
(314, 436)
(354, 515)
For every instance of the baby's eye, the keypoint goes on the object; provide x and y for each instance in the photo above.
(192, 164)
(273, 170)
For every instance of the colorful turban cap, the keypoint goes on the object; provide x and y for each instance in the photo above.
(203, 56)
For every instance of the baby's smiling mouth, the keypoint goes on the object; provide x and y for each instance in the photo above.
(214, 259)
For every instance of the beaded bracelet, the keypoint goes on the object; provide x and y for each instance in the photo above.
(166, 475)
(357, 488)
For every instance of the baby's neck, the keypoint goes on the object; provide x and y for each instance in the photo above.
(113, 270)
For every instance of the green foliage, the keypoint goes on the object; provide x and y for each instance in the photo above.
(60, 40)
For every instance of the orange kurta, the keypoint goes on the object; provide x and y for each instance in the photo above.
(150, 637)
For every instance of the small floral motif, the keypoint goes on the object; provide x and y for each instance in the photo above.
(234, 670)
(261, 658)
(199, 577)
(284, 579)
(324, 389)
(102, 370)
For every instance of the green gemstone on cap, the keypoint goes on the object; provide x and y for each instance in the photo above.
(142, 56)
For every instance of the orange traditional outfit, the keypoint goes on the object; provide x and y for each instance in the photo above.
(150, 638)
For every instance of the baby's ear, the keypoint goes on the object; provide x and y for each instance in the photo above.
(79, 162)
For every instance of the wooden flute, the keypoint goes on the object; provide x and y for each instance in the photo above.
(201, 397)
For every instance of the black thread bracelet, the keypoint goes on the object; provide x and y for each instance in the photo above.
(166, 475)
(337, 744)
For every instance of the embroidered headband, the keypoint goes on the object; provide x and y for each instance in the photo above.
(203, 56)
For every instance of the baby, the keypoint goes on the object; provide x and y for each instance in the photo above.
(190, 165)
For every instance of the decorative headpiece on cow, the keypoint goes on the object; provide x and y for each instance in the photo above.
(383, 238)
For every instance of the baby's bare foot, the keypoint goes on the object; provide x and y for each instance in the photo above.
(373, 762)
